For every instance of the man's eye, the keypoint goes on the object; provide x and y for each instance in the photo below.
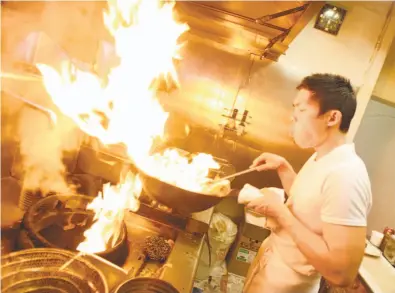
(302, 110)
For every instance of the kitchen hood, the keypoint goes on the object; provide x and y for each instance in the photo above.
(262, 28)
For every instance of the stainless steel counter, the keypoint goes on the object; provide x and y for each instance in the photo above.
(181, 265)
(184, 258)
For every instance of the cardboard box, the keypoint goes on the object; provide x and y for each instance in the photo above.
(245, 248)
(235, 283)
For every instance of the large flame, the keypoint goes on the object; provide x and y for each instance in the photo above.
(109, 207)
(123, 108)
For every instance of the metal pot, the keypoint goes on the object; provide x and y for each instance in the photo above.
(58, 221)
(146, 285)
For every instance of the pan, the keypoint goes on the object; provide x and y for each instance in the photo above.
(183, 201)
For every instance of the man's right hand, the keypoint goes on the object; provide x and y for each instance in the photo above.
(268, 161)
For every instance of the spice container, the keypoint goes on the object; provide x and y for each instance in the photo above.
(388, 232)
(376, 238)
(389, 250)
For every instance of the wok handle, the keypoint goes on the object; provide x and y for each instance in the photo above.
(234, 193)
(236, 174)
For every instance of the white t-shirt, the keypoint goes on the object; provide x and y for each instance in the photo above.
(333, 189)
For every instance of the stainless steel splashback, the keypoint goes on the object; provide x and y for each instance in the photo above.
(212, 80)
(210, 83)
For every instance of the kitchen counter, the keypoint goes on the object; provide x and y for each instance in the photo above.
(378, 274)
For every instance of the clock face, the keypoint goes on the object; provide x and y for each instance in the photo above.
(330, 19)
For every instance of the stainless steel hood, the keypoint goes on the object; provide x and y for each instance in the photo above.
(263, 28)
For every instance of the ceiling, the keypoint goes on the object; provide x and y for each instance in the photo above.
(257, 9)
(264, 28)
(235, 26)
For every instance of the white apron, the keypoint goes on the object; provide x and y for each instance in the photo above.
(319, 195)
(270, 274)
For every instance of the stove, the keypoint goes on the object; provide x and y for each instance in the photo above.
(181, 265)
(109, 165)
(188, 233)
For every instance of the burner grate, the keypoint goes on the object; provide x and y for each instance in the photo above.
(83, 184)
(30, 197)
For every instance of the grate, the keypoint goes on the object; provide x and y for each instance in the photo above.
(83, 183)
(30, 197)
(44, 270)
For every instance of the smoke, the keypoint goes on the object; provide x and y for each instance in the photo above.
(42, 145)
(42, 149)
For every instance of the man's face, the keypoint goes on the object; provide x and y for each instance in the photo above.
(309, 129)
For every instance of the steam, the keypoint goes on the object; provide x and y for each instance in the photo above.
(42, 143)
(42, 148)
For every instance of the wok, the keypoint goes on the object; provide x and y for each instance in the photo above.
(183, 201)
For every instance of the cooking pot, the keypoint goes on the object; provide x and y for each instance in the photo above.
(146, 285)
(59, 221)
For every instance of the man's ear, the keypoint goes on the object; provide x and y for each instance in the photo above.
(334, 118)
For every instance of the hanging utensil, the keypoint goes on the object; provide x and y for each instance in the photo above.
(50, 114)
(22, 77)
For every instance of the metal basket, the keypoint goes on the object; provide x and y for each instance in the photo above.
(49, 270)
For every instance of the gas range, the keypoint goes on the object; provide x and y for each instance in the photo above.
(152, 219)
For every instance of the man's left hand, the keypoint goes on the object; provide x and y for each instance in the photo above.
(270, 205)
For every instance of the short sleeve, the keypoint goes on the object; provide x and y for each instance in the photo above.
(346, 198)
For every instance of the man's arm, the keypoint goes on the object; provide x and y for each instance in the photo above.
(287, 176)
(337, 254)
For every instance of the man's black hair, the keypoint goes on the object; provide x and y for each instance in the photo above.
(332, 92)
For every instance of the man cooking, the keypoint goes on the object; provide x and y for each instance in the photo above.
(321, 229)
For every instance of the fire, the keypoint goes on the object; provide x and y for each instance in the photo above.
(123, 108)
(109, 207)
(177, 170)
